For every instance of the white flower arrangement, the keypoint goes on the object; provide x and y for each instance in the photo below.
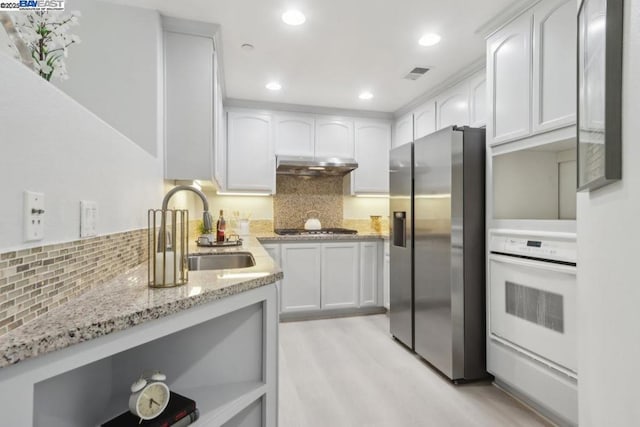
(45, 33)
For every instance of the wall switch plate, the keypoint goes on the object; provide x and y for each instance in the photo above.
(33, 216)
(88, 218)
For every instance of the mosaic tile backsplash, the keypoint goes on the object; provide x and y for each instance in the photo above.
(295, 196)
(35, 280)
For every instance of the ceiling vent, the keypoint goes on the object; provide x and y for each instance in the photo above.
(416, 73)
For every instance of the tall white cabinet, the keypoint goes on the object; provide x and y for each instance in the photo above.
(192, 100)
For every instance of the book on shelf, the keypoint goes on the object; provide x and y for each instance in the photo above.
(178, 409)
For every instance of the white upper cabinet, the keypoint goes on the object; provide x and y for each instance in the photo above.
(478, 99)
(509, 72)
(554, 65)
(250, 153)
(334, 138)
(189, 95)
(372, 145)
(424, 119)
(531, 75)
(295, 135)
(453, 106)
(403, 130)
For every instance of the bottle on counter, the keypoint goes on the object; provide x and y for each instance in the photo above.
(220, 227)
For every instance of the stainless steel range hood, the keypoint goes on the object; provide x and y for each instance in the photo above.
(314, 166)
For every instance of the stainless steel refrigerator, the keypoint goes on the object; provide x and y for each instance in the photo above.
(437, 208)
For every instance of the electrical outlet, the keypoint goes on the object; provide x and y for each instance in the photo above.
(33, 216)
(88, 218)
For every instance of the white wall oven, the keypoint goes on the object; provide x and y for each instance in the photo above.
(532, 316)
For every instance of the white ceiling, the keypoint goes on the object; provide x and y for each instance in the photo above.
(345, 46)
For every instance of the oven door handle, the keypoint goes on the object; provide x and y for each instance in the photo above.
(548, 266)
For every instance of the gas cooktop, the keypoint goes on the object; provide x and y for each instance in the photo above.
(302, 232)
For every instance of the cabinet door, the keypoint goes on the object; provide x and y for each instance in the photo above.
(508, 81)
(478, 99)
(300, 288)
(403, 131)
(220, 137)
(250, 156)
(424, 119)
(295, 135)
(188, 106)
(340, 275)
(453, 107)
(334, 138)
(369, 276)
(554, 66)
(274, 252)
(386, 274)
(373, 142)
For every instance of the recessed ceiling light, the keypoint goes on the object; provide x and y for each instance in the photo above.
(429, 39)
(273, 86)
(365, 95)
(293, 17)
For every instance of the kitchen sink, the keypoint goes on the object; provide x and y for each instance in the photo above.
(221, 261)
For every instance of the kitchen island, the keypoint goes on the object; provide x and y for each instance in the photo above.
(215, 339)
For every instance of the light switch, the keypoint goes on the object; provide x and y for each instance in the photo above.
(33, 216)
(88, 218)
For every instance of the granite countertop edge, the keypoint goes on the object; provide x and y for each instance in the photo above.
(274, 238)
(80, 320)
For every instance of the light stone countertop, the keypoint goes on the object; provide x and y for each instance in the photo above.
(127, 301)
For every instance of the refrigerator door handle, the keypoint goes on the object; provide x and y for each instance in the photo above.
(400, 229)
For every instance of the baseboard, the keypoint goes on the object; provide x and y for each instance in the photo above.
(330, 314)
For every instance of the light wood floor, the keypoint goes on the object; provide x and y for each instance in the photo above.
(350, 372)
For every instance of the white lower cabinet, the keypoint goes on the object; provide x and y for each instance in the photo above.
(386, 277)
(300, 288)
(329, 276)
(339, 275)
(274, 252)
(369, 273)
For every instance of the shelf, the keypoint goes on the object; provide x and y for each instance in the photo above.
(219, 404)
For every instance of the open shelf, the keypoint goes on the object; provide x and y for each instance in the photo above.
(219, 404)
(218, 363)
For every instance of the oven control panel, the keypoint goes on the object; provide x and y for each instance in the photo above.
(545, 248)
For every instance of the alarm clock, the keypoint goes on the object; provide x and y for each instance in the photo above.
(149, 396)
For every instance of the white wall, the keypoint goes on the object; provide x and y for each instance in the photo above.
(608, 226)
(116, 69)
(363, 207)
(49, 143)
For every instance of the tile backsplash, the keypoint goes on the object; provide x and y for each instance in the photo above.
(295, 196)
(35, 280)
